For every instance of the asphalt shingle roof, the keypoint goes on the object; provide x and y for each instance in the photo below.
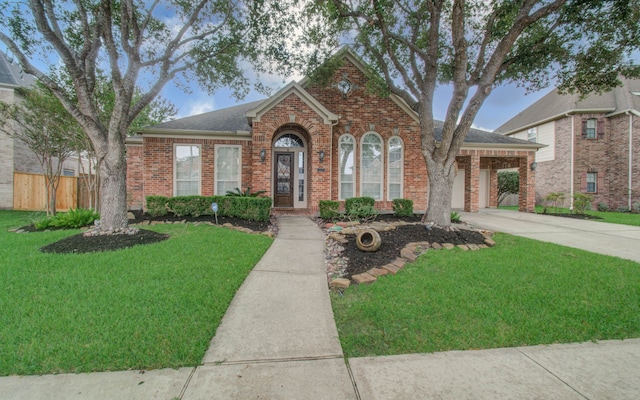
(554, 104)
(230, 119)
(11, 74)
(234, 119)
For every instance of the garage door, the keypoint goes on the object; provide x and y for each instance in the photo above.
(457, 195)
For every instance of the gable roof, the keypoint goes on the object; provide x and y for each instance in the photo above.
(293, 87)
(479, 138)
(555, 105)
(11, 75)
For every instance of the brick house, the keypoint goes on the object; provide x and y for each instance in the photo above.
(592, 144)
(308, 143)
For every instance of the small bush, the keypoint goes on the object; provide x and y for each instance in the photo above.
(157, 206)
(403, 207)
(581, 202)
(329, 209)
(362, 212)
(636, 206)
(357, 202)
(194, 206)
(622, 209)
(73, 219)
(455, 217)
(603, 207)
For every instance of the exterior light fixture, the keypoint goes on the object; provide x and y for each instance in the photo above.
(396, 130)
(321, 154)
(263, 155)
(534, 165)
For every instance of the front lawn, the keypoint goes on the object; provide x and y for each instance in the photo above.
(146, 307)
(521, 292)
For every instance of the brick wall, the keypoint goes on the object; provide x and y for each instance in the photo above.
(555, 175)
(135, 185)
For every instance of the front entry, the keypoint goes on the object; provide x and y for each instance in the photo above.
(284, 180)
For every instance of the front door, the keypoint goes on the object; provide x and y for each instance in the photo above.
(284, 180)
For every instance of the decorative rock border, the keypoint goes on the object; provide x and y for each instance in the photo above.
(407, 255)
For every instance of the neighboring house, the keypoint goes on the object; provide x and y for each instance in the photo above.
(15, 155)
(593, 144)
(308, 143)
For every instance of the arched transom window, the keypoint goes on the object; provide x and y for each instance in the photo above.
(289, 140)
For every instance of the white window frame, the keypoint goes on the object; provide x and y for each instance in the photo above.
(380, 196)
(215, 168)
(594, 135)
(532, 134)
(341, 196)
(594, 181)
(389, 168)
(175, 166)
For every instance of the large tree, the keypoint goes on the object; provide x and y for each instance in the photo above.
(473, 46)
(141, 44)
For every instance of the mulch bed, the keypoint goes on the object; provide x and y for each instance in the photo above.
(395, 240)
(87, 244)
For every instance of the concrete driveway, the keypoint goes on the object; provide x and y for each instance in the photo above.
(599, 237)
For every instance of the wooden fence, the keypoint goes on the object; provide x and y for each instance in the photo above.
(30, 192)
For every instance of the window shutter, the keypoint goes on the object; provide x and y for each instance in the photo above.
(600, 128)
(583, 182)
(600, 183)
(584, 128)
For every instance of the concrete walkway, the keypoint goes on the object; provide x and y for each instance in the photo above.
(278, 340)
(598, 237)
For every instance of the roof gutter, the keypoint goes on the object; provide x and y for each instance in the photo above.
(532, 146)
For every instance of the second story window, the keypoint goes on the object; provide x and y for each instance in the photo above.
(590, 128)
(532, 135)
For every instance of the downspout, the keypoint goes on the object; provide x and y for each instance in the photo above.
(573, 139)
(630, 156)
(331, 158)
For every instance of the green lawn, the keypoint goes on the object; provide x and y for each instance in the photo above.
(146, 307)
(608, 216)
(521, 292)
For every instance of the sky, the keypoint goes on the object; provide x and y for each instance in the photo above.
(501, 105)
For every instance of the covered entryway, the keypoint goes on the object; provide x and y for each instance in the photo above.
(289, 171)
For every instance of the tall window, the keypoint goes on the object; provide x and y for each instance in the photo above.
(187, 170)
(372, 166)
(394, 171)
(532, 135)
(347, 168)
(590, 128)
(592, 179)
(228, 169)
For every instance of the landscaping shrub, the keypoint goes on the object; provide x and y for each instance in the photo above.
(251, 208)
(157, 206)
(357, 202)
(455, 217)
(70, 220)
(581, 202)
(508, 183)
(623, 209)
(329, 209)
(362, 212)
(636, 206)
(403, 207)
(603, 207)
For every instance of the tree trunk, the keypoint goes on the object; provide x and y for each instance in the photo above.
(440, 189)
(113, 188)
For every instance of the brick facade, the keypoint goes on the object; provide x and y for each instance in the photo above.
(304, 112)
(607, 155)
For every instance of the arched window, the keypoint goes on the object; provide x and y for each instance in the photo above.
(347, 167)
(371, 166)
(289, 140)
(395, 168)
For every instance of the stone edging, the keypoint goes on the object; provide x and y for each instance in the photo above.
(407, 255)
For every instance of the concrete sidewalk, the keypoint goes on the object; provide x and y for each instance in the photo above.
(599, 237)
(278, 340)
